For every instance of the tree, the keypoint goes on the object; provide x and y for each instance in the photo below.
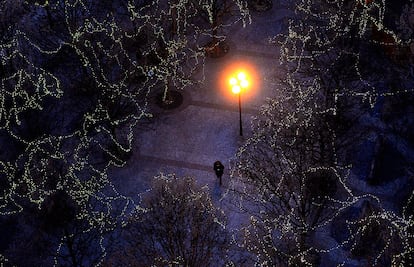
(77, 79)
(176, 224)
(380, 237)
(294, 169)
(172, 53)
(289, 177)
(60, 234)
(216, 13)
(338, 43)
(60, 130)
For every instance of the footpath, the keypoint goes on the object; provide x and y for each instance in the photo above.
(205, 128)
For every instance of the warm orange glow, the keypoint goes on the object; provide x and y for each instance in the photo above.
(239, 77)
(233, 81)
(244, 83)
(236, 89)
(238, 82)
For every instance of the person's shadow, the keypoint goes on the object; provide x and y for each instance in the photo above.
(217, 190)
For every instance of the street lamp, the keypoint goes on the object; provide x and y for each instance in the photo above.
(239, 82)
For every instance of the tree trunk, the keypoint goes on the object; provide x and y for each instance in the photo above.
(69, 244)
(49, 16)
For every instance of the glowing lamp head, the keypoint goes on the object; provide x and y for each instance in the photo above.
(238, 82)
(236, 89)
(233, 81)
(241, 76)
(244, 83)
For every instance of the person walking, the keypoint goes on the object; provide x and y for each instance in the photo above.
(218, 169)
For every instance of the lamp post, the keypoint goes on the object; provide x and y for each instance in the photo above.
(237, 83)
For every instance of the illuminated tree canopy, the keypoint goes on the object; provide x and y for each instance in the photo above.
(77, 79)
(295, 177)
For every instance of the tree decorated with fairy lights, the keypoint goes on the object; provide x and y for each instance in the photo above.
(172, 52)
(360, 60)
(338, 43)
(177, 224)
(295, 171)
(289, 175)
(381, 238)
(76, 80)
(218, 14)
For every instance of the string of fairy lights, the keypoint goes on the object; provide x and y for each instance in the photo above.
(166, 51)
(170, 60)
(271, 168)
